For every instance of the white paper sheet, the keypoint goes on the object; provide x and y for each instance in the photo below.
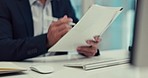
(95, 21)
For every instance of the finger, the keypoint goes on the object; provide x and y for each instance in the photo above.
(92, 43)
(63, 20)
(97, 38)
(63, 32)
(60, 28)
(85, 54)
(63, 26)
(87, 50)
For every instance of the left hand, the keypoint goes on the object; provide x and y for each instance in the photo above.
(91, 50)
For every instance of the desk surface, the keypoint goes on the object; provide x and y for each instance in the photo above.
(119, 71)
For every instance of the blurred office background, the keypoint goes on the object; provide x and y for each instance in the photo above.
(119, 34)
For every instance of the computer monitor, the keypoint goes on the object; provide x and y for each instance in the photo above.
(139, 52)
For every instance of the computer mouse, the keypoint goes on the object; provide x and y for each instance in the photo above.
(43, 69)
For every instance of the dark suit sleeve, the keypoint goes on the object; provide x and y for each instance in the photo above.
(97, 54)
(70, 11)
(63, 7)
(16, 49)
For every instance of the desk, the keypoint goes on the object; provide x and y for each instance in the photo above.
(119, 71)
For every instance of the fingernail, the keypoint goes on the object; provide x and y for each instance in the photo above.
(71, 19)
(88, 41)
(65, 16)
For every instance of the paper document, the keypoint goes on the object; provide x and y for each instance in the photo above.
(94, 22)
(9, 67)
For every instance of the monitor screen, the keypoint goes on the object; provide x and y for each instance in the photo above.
(139, 52)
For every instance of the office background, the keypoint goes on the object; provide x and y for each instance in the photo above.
(119, 35)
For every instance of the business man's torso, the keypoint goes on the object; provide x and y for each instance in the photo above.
(16, 28)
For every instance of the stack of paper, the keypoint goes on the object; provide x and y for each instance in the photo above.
(95, 21)
(9, 67)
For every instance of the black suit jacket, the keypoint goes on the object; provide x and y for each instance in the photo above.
(16, 28)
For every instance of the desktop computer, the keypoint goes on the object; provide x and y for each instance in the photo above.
(139, 51)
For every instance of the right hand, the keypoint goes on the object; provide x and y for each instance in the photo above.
(57, 30)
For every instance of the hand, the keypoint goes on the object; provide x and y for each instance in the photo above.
(58, 29)
(91, 50)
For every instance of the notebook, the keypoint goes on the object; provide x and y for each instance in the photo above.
(9, 67)
(94, 22)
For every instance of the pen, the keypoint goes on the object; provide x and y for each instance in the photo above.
(55, 19)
